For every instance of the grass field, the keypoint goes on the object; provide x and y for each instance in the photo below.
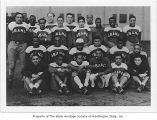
(17, 96)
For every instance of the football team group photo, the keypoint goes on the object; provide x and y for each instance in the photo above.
(78, 56)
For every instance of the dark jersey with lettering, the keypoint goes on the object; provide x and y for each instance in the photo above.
(74, 52)
(132, 33)
(98, 32)
(62, 32)
(54, 51)
(93, 49)
(101, 65)
(113, 33)
(42, 35)
(18, 31)
(82, 33)
(124, 51)
(40, 51)
(50, 25)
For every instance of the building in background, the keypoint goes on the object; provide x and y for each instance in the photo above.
(120, 13)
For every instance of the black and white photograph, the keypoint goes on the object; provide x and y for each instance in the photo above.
(78, 56)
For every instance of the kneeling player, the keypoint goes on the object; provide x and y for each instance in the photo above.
(35, 73)
(140, 72)
(81, 73)
(60, 73)
(120, 75)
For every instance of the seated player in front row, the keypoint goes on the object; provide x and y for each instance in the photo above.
(140, 72)
(35, 73)
(60, 73)
(97, 44)
(102, 69)
(80, 74)
(120, 75)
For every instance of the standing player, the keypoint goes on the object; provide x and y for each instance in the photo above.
(82, 32)
(69, 21)
(119, 48)
(35, 73)
(79, 49)
(60, 73)
(137, 51)
(57, 49)
(43, 33)
(50, 24)
(101, 72)
(40, 50)
(98, 30)
(120, 75)
(63, 32)
(90, 23)
(17, 38)
(132, 33)
(112, 33)
(32, 26)
(140, 72)
(97, 44)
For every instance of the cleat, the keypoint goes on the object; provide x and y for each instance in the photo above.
(84, 90)
(66, 91)
(114, 90)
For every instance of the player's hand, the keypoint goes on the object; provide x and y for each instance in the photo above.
(142, 75)
(40, 73)
(100, 73)
(34, 76)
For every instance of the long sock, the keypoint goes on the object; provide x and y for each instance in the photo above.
(78, 81)
(36, 85)
(31, 85)
(86, 83)
(117, 84)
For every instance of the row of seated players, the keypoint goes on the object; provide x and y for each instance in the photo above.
(70, 32)
(103, 66)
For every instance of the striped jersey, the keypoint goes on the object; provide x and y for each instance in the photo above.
(62, 32)
(82, 33)
(113, 33)
(124, 51)
(54, 51)
(132, 33)
(74, 52)
(40, 50)
(18, 31)
(93, 49)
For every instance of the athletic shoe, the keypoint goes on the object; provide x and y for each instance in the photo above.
(114, 90)
(120, 90)
(34, 90)
(66, 91)
(60, 91)
(31, 93)
(39, 92)
(10, 83)
(139, 89)
(147, 88)
(84, 90)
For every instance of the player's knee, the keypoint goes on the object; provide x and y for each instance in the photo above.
(12, 66)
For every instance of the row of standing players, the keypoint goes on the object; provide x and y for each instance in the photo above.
(62, 34)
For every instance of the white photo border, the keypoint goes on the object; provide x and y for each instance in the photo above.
(82, 109)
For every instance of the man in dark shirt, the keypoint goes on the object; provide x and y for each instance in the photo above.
(35, 73)
(98, 30)
(102, 70)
